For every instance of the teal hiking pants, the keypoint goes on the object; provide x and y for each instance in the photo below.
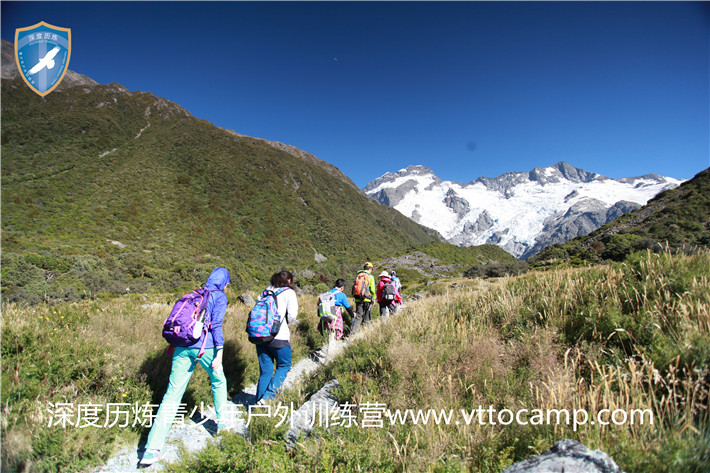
(184, 363)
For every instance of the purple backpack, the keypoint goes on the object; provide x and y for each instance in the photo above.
(186, 322)
(264, 320)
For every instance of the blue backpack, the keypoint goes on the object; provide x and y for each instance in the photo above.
(187, 321)
(264, 321)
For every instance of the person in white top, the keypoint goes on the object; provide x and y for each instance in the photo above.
(277, 353)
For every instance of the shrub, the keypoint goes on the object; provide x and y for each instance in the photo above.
(496, 270)
(320, 288)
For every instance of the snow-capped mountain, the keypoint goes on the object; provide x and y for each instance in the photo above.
(522, 212)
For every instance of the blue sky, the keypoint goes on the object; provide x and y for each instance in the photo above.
(467, 88)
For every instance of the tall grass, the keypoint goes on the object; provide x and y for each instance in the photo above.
(630, 337)
(100, 352)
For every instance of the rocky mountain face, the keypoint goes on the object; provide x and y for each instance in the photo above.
(522, 212)
(676, 220)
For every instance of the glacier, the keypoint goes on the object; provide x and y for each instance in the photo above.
(522, 212)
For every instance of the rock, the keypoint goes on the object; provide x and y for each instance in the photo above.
(418, 295)
(582, 218)
(567, 456)
(246, 299)
(456, 203)
(306, 274)
(321, 406)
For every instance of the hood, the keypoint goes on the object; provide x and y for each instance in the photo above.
(218, 279)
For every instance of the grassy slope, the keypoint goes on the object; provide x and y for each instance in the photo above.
(627, 336)
(440, 259)
(182, 190)
(93, 352)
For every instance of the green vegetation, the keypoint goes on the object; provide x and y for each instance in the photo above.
(96, 353)
(677, 219)
(90, 207)
(496, 270)
(98, 203)
(466, 255)
(632, 335)
(442, 260)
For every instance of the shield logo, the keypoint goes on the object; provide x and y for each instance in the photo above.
(42, 52)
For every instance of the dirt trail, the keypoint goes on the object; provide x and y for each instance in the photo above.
(195, 434)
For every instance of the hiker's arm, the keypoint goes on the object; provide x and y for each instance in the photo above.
(380, 291)
(219, 308)
(343, 299)
(291, 306)
(350, 312)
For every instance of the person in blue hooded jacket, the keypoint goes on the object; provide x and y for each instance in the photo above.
(185, 360)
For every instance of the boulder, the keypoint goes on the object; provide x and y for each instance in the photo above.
(246, 299)
(316, 411)
(567, 456)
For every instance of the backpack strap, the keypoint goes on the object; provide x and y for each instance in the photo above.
(276, 292)
(208, 325)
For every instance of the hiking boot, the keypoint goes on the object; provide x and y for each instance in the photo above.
(151, 456)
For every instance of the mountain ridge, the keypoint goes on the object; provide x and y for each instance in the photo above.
(73, 79)
(105, 190)
(677, 218)
(523, 212)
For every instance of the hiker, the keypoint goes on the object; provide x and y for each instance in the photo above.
(278, 351)
(387, 295)
(184, 361)
(341, 300)
(398, 285)
(363, 292)
(395, 280)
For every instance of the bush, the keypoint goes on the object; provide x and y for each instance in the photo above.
(496, 270)
(320, 288)
(48, 262)
(17, 272)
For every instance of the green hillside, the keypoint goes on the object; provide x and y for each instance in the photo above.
(107, 190)
(676, 218)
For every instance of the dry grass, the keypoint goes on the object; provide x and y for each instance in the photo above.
(99, 352)
(623, 338)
